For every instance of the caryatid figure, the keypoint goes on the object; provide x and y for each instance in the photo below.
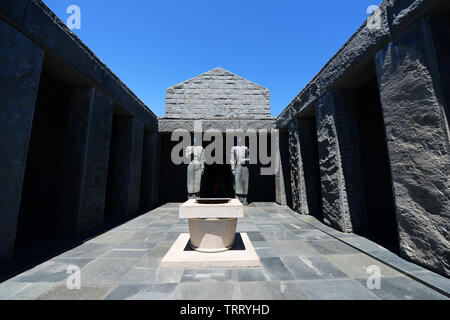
(195, 170)
(239, 166)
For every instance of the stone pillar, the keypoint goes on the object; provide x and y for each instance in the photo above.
(150, 171)
(155, 165)
(20, 69)
(299, 200)
(126, 174)
(282, 176)
(412, 93)
(310, 165)
(73, 170)
(96, 177)
(340, 166)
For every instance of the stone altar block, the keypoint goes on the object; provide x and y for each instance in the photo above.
(212, 240)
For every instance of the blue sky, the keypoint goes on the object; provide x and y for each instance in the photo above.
(154, 44)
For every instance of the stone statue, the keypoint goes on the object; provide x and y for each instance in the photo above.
(195, 170)
(239, 166)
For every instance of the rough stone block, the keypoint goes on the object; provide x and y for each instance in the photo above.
(417, 136)
(339, 158)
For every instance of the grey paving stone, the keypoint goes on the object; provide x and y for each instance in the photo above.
(88, 250)
(292, 291)
(261, 290)
(207, 291)
(143, 292)
(105, 271)
(32, 291)
(280, 235)
(136, 245)
(52, 271)
(157, 275)
(310, 268)
(61, 292)
(434, 279)
(160, 249)
(125, 253)
(251, 274)
(112, 237)
(403, 288)
(266, 252)
(208, 275)
(355, 265)
(146, 237)
(335, 290)
(310, 235)
(255, 236)
(149, 262)
(364, 244)
(293, 248)
(396, 261)
(246, 227)
(334, 246)
(274, 269)
(9, 288)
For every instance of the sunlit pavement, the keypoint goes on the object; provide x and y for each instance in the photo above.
(301, 259)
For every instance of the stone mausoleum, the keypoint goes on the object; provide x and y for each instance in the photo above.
(364, 147)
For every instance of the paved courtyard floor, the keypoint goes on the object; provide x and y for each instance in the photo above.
(301, 259)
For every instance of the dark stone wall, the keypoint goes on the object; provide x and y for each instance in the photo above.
(150, 171)
(173, 178)
(340, 166)
(125, 165)
(418, 143)
(381, 223)
(96, 176)
(42, 184)
(20, 69)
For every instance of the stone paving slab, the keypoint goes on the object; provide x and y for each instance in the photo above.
(300, 259)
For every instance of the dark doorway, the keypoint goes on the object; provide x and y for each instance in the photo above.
(217, 181)
(39, 207)
(381, 219)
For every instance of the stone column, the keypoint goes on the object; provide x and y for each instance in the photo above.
(282, 177)
(20, 69)
(310, 165)
(85, 162)
(299, 200)
(96, 177)
(412, 84)
(150, 171)
(73, 170)
(126, 173)
(340, 166)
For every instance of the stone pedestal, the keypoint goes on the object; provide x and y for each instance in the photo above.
(212, 226)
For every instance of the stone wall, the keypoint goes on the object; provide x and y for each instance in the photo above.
(217, 94)
(408, 54)
(65, 164)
